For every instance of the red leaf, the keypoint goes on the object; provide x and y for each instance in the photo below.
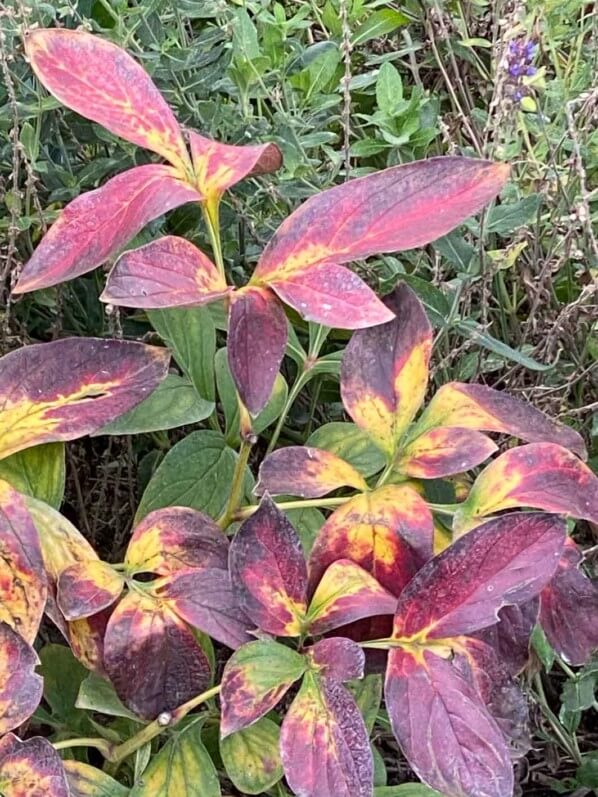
(168, 272)
(480, 407)
(152, 657)
(23, 583)
(511, 635)
(444, 452)
(72, 387)
(88, 587)
(101, 81)
(257, 338)
(324, 743)
(388, 532)
(176, 538)
(398, 208)
(540, 475)
(346, 593)
(569, 609)
(31, 769)
(98, 223)
(20, 687)
(384, 373)
(445, 732)
(268, 571)
(219, 166)
(204, 599)
(337, 658)
(332, 295)
(306, 472)
(504, 561)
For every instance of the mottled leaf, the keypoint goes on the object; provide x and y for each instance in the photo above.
(23, 584)
(350, 443)
(539, 475)
(152, 657)
(257, 338)
(219, 166)
(388, 532)
(384, 373)
(324, 742)
(98, 223)
(87, 781)
(168, 272)
(86, 638)
(204, 598)
(268, 571)
(101, 81)
(251, 757)
(306, 472)
(38, 471)
(394, 209)
(569, 609)
(444, 452)
(175, 538)
(20, 687)
(507, 560)
(88, 587)
(31, 769)
(254, 679)
(337, 658)
(488, 410)
(182, 767)
(332, 295)
(68, 388)
(447, 735)
(346, 593)
(510, 637)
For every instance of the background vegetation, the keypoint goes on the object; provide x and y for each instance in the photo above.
(343, 88)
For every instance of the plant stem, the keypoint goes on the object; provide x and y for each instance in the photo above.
(568, 745)
(246, 511)
(237, 485)
(211, 213)
(103, 745)
(300, 382)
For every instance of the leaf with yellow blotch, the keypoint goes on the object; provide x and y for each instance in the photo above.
(176, 538)
(20, 686)
(398, 208)
(98, 223)
(306, 472)
(99, 80)
(324, 742)
(219, 166)
(23, 582)
(31, 769)
(485, 409)
(388, 532)
(254, 679)
(444, 452)
(72, 387)
(268, 571)
(88, 587)
(540, 475)
(86, 638)
(152, 657)
(168, 272)
(251, 757)
(384, 373)
(87, 781)
(346, 593)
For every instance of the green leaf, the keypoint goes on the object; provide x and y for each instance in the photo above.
(579, 693)
(348, 442)
(228, 398)
(504, 219)
(542, 647)
(97, 694)
(251, 757)
(389, 88)
(367, 693)
(196, 472)
(470, 329)
(191, 335)
(63, 675)
(454, 248)
(87, 781)
(379, 23)
(38, 471)
(307, 523)
(173, 403)
(182, 767)
(587, 771)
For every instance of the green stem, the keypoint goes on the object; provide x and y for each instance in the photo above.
(237, 487)
(105, 747)
(211, 213)
(323, 503)
(568, 745)
(299, 384)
